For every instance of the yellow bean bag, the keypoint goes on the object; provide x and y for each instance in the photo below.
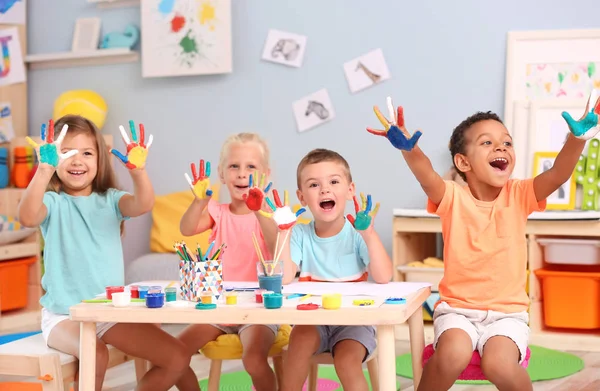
(86, 103)
(229, 346)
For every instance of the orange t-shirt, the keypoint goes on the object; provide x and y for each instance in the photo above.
(485, 248)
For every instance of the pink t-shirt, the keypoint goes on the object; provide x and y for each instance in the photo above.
(240, 258)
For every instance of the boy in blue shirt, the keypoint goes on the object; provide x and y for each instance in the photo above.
(331, 249)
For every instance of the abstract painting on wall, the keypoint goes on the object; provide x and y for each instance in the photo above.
(568, 80)
(186, 37)
(13, 68)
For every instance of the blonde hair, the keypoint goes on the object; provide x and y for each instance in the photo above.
(320, 155)
(243, 138)
(105, 176)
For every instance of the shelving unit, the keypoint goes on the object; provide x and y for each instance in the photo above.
(414, 239)
(107, 4)
(81, 58)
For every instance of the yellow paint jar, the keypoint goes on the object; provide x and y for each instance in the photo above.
(231, 298)
(206, 298)
(332, 301)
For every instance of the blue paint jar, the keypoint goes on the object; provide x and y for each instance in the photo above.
(142, 291)
(273, 300)
(155, 300)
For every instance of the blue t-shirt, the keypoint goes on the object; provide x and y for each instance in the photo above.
(82, 252)
(343, 257)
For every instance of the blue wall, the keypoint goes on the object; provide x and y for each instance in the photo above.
(446, 58)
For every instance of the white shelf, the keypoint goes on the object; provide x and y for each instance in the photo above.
(81, 58)
(107, 4)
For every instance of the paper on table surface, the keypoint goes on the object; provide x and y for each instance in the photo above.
(363, 288)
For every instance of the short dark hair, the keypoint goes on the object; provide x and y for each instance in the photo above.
(322, 155)
(458, 139)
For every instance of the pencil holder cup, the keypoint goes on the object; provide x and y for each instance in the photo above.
(270, 275)
(273, 300)
(197, 278)
(332, 301)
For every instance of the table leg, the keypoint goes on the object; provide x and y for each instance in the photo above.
(87, 356)
(386, 357)
(416, 333)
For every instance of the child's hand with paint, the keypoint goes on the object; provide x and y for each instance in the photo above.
(364, 217)
(200, 184)
(48, 152)
(395, 131)
(589, 124)
(283, 215)
(256, 194)
(137, 150)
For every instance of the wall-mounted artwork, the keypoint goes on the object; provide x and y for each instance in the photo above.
(566, 80)
(12, 11)
(564, 197)
(366, 70)
(284, 48)
(186, 37)
(13, 68)
(313, 110)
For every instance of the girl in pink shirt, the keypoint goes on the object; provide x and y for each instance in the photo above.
(233, 224)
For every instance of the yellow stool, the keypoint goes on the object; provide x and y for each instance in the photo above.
(229, 347)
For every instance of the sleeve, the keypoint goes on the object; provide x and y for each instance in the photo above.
(447, 199)
(49, 200)
(524, 196)
(296, 240)
(114, 196)
(361, 249)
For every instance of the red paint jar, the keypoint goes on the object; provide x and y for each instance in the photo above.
(135, 293)
(259, 295)
(112, 289)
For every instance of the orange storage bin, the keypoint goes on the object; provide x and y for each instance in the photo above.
(14, 283)
(571, 299)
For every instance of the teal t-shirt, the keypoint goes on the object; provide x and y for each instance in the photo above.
(342, 257)
(83, 252)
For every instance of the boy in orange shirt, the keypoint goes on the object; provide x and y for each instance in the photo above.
(483, 303)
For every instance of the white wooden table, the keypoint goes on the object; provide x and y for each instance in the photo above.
(384, 318)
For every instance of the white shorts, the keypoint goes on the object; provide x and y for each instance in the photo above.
(482, 325)
(50, 319)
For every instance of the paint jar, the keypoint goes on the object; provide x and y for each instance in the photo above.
(112, 289)
(206, 298)
(171, 293)
(231, 298)
(273, 300)
(135, 294)
(155, 300)
(142, 291)
(332, 301)
(272, 280)
(121, 299)
(258, 293)
(155, 289)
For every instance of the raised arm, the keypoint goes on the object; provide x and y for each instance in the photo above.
(32, 211)
(196, 218)
(380, 265)
(142, 199)
(584, 129)
(420, 165)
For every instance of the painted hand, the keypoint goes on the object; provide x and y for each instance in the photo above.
(283, 215)
(137, 152)
(395, 131)
(49, 151)
(200, 185)
(589, 124)
(365, 216)
(256, 195)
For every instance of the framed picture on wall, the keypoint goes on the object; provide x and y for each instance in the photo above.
(86, 35)
(546, 65)
(564, 197)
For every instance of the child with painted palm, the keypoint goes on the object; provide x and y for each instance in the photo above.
(73, 197)
(233, 224)
(483, 303)
(331, 248)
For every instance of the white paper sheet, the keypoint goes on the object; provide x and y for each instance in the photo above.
(391, 289)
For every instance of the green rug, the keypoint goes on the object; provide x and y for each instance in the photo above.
(327, 380)
(544, 364)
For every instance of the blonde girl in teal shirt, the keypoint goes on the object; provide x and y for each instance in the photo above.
(73, 197)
